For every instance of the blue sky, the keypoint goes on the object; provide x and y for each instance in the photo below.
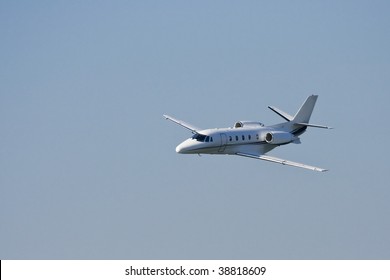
(88, 168)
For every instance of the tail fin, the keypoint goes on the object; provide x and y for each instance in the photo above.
(304, 113)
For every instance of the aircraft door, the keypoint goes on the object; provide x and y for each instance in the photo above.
(223, 143)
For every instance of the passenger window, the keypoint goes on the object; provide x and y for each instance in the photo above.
(257, 136)
(236, 138)
(243, 137)
(249, 137)
(230, 138)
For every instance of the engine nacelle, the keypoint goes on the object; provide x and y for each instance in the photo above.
(279, 137)
(248, 124)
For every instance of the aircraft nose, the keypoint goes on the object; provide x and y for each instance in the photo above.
(182, 147)
(179, 148)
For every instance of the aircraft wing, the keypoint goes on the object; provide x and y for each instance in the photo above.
(282, 161)
(183, 124)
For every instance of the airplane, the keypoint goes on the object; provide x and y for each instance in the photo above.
(252, 139)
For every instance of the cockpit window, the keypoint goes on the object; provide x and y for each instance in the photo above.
(199, 137)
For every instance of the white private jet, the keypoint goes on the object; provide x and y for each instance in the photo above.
(250, 138)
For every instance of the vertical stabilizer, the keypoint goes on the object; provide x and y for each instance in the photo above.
(304, 113)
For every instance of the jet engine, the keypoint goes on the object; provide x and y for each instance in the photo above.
(248, 124)
(279, 137)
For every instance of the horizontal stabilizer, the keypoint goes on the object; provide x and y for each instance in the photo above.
(315, 125)
(284, 115)
(283, 161)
